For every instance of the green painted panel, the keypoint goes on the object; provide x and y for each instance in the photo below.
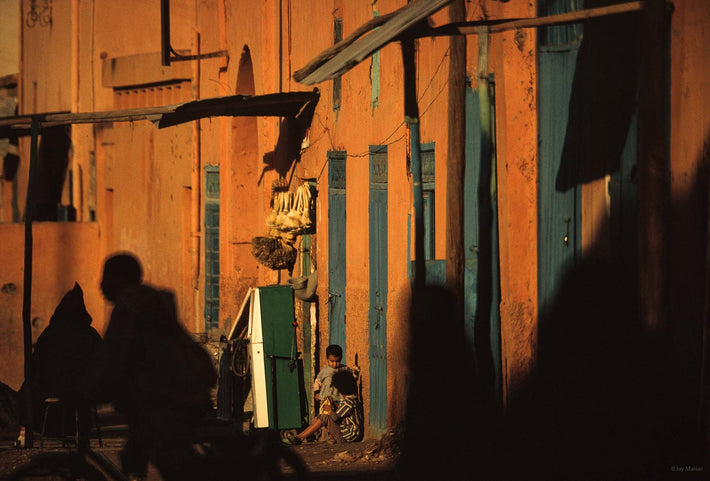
(284, 375)
(281, 358)
(277, 317)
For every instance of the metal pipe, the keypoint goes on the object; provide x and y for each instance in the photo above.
(411, 117)
(165, 32)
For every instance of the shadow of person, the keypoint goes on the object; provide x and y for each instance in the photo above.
(598, 406)
(443, 429)
(154, 372)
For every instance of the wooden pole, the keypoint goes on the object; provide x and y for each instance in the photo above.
(456, 162)
(27, 290)
(497, 26)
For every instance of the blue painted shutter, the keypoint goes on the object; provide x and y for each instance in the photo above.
(426, 153)
(336, 248)
(211, 247)
(378, 289)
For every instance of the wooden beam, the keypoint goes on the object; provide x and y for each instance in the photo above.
(330, 52)
(410, 15)
(495, 26)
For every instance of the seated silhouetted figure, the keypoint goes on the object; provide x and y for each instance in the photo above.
(63, 356)
(154, 372)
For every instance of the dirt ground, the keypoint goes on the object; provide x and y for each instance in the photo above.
(366, 460)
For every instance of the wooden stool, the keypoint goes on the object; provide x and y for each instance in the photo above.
(55, 401)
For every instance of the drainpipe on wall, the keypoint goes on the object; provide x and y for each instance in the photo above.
(411, 117)
(196, 180)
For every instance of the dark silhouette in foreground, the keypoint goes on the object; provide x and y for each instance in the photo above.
(154, 372)
(600, 405)
(62, 358)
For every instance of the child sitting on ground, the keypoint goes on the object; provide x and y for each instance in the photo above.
(322, 386)
(344, 424)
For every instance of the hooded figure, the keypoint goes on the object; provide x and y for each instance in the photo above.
(66, 350)
(63, 357)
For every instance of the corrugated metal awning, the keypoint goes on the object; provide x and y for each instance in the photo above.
(271, 105)
(326, 67)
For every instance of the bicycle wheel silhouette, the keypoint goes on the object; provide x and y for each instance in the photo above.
(57, 467)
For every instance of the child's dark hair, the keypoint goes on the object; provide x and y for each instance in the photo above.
(344, 381)
(334, 350)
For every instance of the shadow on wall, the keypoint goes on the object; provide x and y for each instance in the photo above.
(603, 99)
(609, 399)
(292, 132)
(603, 403)
(600, 405)
(445, 410)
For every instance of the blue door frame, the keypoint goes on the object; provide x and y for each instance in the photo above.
(336, 248)
(378, 290)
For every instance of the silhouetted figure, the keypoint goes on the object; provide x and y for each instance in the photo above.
(63, 356)
(155, 373)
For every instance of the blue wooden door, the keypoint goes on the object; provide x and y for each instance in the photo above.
(470, 209)
(378, 289)
(559, 216)
(336, 248)
(211, 247)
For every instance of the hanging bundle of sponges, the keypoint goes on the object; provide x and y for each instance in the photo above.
(290, 217)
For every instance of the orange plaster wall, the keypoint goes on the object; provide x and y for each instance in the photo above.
(144, 193)
(46, 61)
(689, 157)
(690, 111)
(63, 254)
(353, 128)
(514, 62)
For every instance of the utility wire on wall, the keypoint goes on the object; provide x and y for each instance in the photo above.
(385, 141)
